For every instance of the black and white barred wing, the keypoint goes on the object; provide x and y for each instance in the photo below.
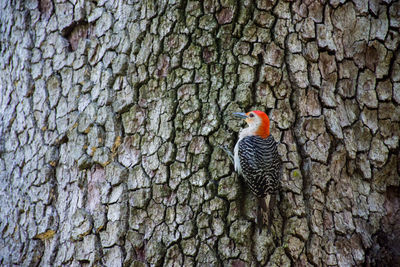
(260, 164)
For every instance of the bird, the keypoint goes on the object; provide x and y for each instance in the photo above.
(257, 161)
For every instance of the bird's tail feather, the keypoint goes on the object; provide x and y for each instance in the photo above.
(265, 211)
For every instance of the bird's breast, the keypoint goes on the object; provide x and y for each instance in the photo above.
(236, 158)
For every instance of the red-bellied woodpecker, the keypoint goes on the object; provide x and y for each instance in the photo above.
(257, 160)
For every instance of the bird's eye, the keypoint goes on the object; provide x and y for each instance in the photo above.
(251, 115)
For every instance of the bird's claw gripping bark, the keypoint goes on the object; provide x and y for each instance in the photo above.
(227, 151)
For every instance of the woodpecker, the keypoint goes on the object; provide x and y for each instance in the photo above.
(256, 159)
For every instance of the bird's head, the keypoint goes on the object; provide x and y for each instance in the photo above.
(258, 122)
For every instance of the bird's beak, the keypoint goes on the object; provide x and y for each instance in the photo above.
(240, 115)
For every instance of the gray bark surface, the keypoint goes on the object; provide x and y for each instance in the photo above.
(111, 114)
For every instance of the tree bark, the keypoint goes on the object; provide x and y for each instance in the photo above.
(112, 114)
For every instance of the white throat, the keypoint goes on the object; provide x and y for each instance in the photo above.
(251, 130)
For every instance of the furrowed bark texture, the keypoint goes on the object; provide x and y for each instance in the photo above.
(112, 113)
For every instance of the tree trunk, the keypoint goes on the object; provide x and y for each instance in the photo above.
(112, 114)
